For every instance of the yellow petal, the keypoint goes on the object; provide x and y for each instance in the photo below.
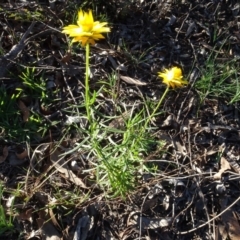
(89, 17)
(86, 30)
(173, 77)
(99, 27)
(72, 30)
(98, 36)
(80, 15)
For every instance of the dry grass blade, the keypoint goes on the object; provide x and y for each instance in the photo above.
(133, 81)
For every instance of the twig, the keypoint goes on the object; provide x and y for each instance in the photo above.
(140, 227)
(206, 223)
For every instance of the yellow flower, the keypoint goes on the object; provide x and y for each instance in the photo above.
(173, 77)
(86, 30)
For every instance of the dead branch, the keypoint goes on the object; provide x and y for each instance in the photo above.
(5, 61)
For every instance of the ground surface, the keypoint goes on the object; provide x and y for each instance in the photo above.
(196, 174)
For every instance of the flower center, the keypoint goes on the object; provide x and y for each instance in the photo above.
(170, 76)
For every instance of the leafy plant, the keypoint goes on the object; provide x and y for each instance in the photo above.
(9, 115)
(12, 126)
(116, 155)
(219, 79)
(33, 86)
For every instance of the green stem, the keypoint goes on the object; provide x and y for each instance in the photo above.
(87, 92)
(159, 104)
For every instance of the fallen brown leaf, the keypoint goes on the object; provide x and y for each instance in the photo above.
(224, 166)
(60, 164)
(4, 154)
(23, 154)
(24, 110)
